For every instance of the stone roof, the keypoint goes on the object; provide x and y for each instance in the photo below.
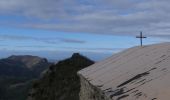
(138, 73)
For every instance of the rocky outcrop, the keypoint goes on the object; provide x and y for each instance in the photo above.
(138, 73)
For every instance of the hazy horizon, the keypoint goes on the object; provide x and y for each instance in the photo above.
(97, 29)
(57, 56)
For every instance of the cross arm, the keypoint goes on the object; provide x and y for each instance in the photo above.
(141, 37)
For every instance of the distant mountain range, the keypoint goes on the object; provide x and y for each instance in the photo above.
(60, 82)
(23, 66)
(20, 74)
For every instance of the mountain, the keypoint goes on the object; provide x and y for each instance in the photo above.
(60, 82)
(17, 74)
(23, 66)
(13, 68)
(30, 61)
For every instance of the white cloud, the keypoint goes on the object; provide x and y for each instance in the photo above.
(48, 40)
(120, 17)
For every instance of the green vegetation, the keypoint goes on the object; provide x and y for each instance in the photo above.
(14, 88)
(60, 82)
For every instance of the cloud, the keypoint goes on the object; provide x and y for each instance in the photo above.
(103, 50)
(71, 40)
(48, 40)
(32, 46)
(117, 17)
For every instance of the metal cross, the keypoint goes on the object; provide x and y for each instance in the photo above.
(141, 38)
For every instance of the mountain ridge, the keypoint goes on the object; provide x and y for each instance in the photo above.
(23, 65)
(17, 73)
(60, 82)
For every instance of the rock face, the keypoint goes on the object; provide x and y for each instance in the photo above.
(139, 73)
(60, 82)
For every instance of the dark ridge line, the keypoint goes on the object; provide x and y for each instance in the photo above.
(118, 92)
(122, 97)
(122, 91)
(152, 69)
(158, 62)
(137, 95)
(134, 78)
(129, 90)
(107, 89)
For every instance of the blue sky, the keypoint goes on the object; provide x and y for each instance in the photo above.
(59, 45)
(57, 28)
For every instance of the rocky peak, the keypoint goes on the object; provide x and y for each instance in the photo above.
(76, 55)
(61, 78)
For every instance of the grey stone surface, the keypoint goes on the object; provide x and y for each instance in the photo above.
(138, 73)
(90, 92)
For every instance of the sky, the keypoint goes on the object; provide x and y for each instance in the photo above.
(96, 28)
